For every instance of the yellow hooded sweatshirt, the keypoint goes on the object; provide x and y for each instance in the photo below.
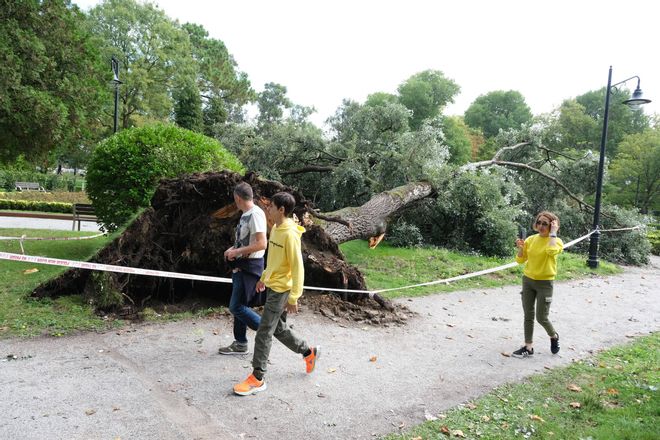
(284, 265)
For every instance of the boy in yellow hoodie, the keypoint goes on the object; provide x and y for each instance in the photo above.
(283, 280)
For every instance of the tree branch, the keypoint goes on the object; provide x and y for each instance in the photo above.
(309, 169)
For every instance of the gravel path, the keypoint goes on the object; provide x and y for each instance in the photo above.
(165, 381)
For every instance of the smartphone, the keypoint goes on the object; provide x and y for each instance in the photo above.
(522, 233)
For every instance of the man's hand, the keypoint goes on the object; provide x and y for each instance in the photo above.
(292, 308)
(260, 286)
(231, 253)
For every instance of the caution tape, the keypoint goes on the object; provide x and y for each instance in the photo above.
(185, 276)
(24, 238)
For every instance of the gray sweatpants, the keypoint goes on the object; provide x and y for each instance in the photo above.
(273, 323)
(539, 292)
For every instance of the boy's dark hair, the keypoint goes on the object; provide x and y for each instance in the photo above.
(284, 200)
(244, 191)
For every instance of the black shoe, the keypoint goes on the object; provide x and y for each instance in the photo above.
(554, 344)
(523, 352)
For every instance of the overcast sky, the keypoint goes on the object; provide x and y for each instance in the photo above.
(325, 51)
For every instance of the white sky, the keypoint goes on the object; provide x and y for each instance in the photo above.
(325, 51)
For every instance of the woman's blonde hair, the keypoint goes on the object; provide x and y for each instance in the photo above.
(550, 215)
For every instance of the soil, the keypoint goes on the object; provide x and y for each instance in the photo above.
(165, 381)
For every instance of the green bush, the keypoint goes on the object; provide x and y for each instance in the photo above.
(124, 169)
(404, 234)
(654, 239)
(33, 205)
(626, 247)
(474, 212)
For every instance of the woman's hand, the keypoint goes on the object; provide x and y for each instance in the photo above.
(554, 227)
(520, 243)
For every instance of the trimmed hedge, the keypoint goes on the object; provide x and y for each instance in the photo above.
(31, 205)
(124, 170)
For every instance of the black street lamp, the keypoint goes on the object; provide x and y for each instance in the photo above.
(635, 102)
(114, 63)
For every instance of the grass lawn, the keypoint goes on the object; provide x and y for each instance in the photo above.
(387, 266)
(611, 396)
(23, 316)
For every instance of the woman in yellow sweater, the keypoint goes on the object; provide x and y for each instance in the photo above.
(540, 252)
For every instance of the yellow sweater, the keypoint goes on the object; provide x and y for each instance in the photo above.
(284, 265)
(541, 259)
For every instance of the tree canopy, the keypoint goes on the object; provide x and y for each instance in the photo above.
(498, 110)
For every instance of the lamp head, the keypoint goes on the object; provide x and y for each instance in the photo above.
(636, 101)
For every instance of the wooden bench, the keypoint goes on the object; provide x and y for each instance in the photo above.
(28, 186)
(82, 212)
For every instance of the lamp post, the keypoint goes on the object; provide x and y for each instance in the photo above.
(114, 63)
(634, 102)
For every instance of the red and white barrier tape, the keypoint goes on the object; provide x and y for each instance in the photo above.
(165, 274)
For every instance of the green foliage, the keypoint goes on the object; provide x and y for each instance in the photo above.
(154, 54)
(31, 205)
(272, 102)
(457, 138)
(49, 78)
(404, 234)
(498, 110)
(102, 293)
(654, 238)
(473, 212)
(636, 171)
(125, 169)
(50, 182)
(225, 88)
(426, 94)
(188, 107)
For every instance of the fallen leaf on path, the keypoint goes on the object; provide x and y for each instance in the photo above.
(536, 418)
(471, 405)
(445, 430)
(331, 370)
(442, 416)
(449, 337)
(89, 412)
(573, 387)
(450, 325)
(28, 271)
(547, 367)
(506, 354)
(373, 358)
(470, 336)
(575, 405)
(458, 433)
(402, 425)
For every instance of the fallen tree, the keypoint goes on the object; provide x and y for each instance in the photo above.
(191, 223)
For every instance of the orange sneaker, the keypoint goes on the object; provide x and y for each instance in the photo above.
(250, 386)
(310, 361)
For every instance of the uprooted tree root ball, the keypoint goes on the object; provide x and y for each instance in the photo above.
(188, 227)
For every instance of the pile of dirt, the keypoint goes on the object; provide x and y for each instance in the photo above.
(365, 311)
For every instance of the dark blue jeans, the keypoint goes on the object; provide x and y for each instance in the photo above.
(244, 316)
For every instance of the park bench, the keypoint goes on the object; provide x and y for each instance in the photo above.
(28, 186)
(82, 212)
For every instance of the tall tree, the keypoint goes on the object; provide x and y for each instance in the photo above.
(188, 107)
(224, 88)
(152, 50)
(622, 119)
(498, 110)
(272, 102)
(636, 171)
(426, 93)
(49, 78)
